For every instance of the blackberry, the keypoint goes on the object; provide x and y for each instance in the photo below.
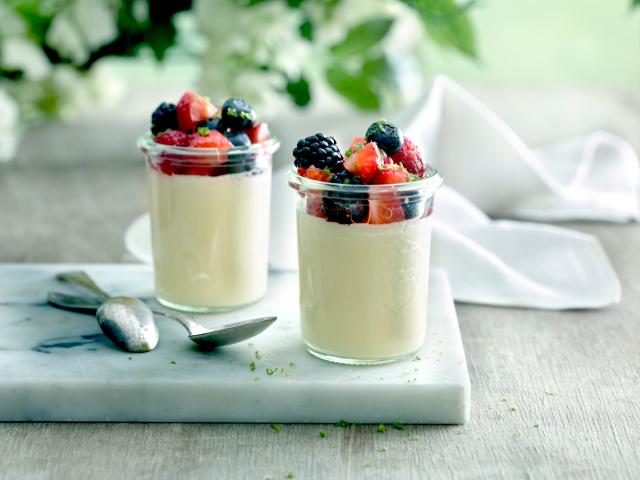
(239, 139)
(319, 150)
(164, 118)
(388, 137)
(237, 114)
(345, 208)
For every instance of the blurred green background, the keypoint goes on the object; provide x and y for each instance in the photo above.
(551, 42)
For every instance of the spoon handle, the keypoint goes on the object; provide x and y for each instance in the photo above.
(193, 327)
(83, 280)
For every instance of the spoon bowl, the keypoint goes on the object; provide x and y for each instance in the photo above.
(129, 323)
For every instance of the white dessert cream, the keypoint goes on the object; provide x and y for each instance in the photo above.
(210, 238)
(363, 288)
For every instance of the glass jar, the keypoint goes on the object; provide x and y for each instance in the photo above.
(209, 212)
(363, 257)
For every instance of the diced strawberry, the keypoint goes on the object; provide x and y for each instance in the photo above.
(389, 174)
(319, 174)
(356, 145)
(364, 163)
(193, 109)
(302, 171)
(173, 137)
(212, 139)
(314, 205)
(258, 133)
(383, 210)
(410, 157)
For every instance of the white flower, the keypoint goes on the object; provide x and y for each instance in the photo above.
(9, 134)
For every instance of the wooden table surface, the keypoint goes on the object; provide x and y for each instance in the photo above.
(554, 394)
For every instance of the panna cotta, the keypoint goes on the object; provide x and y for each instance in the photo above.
(364, 237)
(210, 237)
(209, 173)
(363, 288)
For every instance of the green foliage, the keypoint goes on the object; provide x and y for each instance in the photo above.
(362, 37)
(446, 23)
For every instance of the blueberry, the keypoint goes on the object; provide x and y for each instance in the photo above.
(237, 114)
(386, 135)
(239, 139)
(345, 208)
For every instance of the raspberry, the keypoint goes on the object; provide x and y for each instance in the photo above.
(173, 137)
(319, 150)
(410, 157)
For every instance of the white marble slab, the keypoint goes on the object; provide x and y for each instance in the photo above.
(57, 366)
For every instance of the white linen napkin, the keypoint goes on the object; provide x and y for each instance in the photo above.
(489, 170)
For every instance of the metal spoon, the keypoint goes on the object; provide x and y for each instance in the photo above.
(203, 336)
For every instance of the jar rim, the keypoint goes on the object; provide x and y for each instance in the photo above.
(148, 146)
(423, 187)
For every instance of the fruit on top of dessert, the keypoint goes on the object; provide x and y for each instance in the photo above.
(237, 114)
(211, 124)
(389, 174)
(205, 138)
(319, 174)
(345, 208)
(258, 133)
(386, 210)
(173, 137)
(386, 135)
(409, 156)
(193, 109)
(193, 112)
(319, 150)
(163, 118)
(238, 138)
(365, 162)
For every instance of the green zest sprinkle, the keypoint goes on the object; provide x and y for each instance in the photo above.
(203, 131)
(258, 355)
(276, 427)
(130, 358)
(252, 366)
(323, 434)
(271, 371)
(292, 365)
(382, 428)
(343, 424)
(398, 426)
(256, 379)
(173, 362)
(382, 449)
(291, 475)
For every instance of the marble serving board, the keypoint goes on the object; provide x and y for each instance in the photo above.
(57, 366)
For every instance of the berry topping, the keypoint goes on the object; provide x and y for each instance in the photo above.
(346, 208)
(319, 150)
(258, 133)
(386, 210)
(173, 137)
(237, 114)
(319, 174)
(364, 163)
(211, 124)
(388, 137)
(164, 118)
(239, 139)
(193, 109)
(391, 174)
(205, 138)
(409, 156)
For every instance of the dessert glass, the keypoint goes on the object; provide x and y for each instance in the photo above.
(209, 212)
(364, 287)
